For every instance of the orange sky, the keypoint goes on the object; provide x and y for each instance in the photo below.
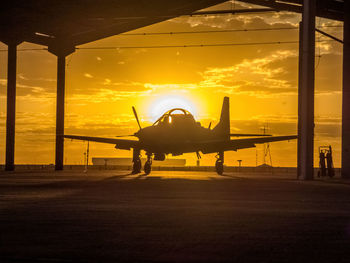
(102, 85)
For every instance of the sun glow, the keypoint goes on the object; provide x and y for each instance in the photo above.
(165, 103)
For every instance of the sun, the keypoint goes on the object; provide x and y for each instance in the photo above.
(165, 103)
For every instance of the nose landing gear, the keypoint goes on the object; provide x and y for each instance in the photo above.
(136, 167)
(219, 164)
(148, 165)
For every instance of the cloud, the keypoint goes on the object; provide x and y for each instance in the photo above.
(256, 77)
(31, 122)
(271, 75)
(28, 92)
(21, 76)
(126, 86)
(265, 20)
(87, 75)
(131, 87)
(171, 86)
(105, 95)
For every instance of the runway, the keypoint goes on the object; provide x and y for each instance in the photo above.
(111, 216)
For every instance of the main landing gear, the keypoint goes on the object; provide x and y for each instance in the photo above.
(136, 159)
(148, 165)
(136, 166)
(219, 164)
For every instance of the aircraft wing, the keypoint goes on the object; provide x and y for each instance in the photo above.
(236, 144)
(247, 135)
(120, 143)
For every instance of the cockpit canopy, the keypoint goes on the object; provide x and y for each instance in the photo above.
(172, 117)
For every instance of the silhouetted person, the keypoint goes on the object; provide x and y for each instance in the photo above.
(330, 164)
(323, 171)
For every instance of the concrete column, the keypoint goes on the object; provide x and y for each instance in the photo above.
(61, 76)
(345, 164)
(11, 107)
(299, 93)
(306, 93)
(61, 49)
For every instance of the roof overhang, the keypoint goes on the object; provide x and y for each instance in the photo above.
(66, 23)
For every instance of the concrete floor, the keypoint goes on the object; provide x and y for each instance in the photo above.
(110, 216)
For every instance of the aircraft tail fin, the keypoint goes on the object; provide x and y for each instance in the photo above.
(223, 127)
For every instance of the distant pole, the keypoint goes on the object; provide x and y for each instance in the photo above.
(268, 151)
(87, 154)
(86, 157)
(265, 145)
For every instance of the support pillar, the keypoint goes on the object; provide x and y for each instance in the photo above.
(61, 49)
(345, 164)
(306, 91)
(299, 93)
(61, 76)
(11, 107)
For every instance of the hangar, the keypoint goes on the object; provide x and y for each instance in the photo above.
(61, 26)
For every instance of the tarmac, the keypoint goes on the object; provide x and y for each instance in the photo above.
(172, 216)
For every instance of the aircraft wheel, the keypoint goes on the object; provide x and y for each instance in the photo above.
(219, 166)
(147, 167)
(136, 168)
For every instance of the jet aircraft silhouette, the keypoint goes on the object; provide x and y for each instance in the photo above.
(176, 132)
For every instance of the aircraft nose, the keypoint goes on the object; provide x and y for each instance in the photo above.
(142, 133)
(137, 134)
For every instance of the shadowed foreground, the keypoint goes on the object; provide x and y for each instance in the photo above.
(111, 216)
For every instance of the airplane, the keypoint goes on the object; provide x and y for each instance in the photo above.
(176, 132)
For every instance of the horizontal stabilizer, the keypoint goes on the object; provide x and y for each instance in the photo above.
(236, 144)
